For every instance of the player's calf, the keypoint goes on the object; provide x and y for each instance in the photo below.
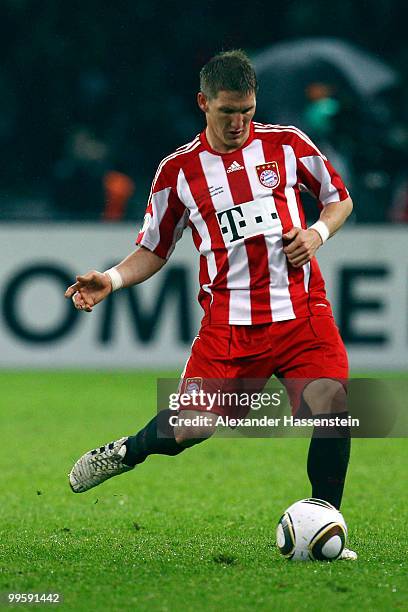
(329, 450)
(164, 435)
(194, 426)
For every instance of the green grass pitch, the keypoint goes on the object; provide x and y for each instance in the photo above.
(194, 532)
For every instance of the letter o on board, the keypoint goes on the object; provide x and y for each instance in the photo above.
(12, 295)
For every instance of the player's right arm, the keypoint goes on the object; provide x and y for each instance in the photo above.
(165, 219)
(93, 287)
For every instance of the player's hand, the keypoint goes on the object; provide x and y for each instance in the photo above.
(89, 290)
(301, 245)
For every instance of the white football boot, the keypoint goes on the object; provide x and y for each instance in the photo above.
(98, 465)
(348, 555)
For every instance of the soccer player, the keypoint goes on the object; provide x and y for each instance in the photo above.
(237, 185)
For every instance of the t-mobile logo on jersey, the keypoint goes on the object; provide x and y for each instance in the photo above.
(248, 219)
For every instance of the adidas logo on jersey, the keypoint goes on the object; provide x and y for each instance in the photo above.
(235, 166)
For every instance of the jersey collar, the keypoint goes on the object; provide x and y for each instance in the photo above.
(208, 147)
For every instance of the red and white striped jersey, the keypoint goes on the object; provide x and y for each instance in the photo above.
(238, 205)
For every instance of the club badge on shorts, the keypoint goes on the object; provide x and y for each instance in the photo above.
(193, 385)
(268, 174)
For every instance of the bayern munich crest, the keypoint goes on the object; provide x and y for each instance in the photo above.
(268, 174)
(193, 385)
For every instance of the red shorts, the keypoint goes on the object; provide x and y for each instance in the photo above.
(293, 350)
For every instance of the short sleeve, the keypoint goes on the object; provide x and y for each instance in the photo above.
(316, 173)
(166, 216)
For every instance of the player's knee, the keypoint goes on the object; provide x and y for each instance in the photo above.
(194, 426)
(325, 396)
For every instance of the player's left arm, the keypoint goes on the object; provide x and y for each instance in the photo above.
(319, 177)
(303, 243)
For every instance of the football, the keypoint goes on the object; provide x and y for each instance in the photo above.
(311, 530)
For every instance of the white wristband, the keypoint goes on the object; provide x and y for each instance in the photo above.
(115, 277)
(322, 229)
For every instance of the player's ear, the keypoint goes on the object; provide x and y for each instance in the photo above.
(202, 101)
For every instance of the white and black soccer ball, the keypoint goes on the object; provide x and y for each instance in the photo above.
(311, 529)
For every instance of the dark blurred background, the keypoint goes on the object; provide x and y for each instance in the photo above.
(94, 94)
